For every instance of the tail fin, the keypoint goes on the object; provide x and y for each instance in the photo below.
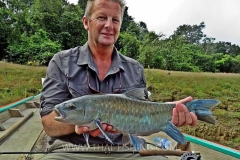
(173, 132)
(201, 107)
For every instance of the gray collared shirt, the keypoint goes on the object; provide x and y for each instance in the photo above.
(71, 72)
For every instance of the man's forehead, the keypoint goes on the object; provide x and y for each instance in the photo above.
(107, 4)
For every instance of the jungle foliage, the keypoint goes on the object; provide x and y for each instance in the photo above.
(31, 31)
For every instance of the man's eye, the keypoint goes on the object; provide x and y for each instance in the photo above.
(115, 20)
(101, 18)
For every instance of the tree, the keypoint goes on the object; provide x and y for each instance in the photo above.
(82, 4)
(13, 19)
(234, 50)
(131, 45)
(143, 25)
(227, 48)
(226, 63)
(208, 45)
(193, 34)
(127, 19)
(37, 49)
(5, 29)
(236, 64)
(28, 2)
(133, 29)
(129, 26)
(72, 32)
(45, 15)
(143, 30)
(150, 51)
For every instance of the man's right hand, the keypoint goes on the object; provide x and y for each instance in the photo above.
(95, 132)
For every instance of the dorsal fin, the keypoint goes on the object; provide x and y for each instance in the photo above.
(138, 93)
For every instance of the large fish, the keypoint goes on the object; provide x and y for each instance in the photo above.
(130, 113)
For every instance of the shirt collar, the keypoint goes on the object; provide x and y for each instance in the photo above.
(85, 58)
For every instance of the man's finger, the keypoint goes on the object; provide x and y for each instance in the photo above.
(80, 129)
(188, 118)
(187, 99)
(194, 119)
(175, 116)
(109, 128)
(96, 132)
(181, 114)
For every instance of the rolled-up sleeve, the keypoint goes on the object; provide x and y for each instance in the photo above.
(55, 89)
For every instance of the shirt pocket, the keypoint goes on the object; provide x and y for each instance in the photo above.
(78, 90)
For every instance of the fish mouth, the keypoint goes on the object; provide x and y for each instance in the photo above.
(59, 116)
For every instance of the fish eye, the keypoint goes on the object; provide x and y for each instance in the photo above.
(72, 106)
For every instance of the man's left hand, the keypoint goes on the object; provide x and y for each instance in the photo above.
(181, 116)
(95, 132)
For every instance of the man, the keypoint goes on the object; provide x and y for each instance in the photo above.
(96, 67)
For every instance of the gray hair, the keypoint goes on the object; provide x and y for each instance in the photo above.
(89, 7)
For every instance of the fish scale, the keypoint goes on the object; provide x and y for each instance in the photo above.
(132, 112)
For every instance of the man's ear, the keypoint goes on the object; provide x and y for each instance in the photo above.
(85, 22)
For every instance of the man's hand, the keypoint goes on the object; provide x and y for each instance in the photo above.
(181, 116)
(95, 132)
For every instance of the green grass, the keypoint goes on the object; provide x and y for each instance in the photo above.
(224, 87)
(170, 85)
(18, 82)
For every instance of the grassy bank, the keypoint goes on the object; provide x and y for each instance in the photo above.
(18, 82)
(171, 86)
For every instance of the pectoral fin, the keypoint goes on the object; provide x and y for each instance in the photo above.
(99, 125)
(137, 142)
(172, 131)
(86, 137)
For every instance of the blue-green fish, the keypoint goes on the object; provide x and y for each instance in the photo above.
(130, 113)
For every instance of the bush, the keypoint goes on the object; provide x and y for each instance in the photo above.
(36, 49)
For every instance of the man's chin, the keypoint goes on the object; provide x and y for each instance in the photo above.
(109, 44)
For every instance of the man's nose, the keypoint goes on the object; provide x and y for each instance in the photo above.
(109, 23)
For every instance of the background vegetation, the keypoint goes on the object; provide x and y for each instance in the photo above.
(170, 86)
(20, 81)
(31, 31)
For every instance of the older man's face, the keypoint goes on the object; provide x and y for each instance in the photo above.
(105, 22)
